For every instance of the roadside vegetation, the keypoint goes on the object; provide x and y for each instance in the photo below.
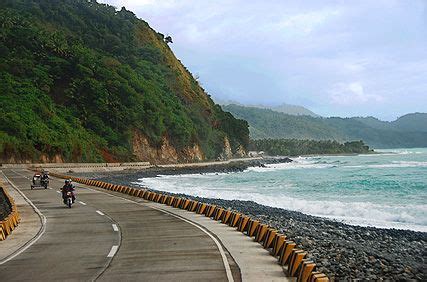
(78, 78)
(294, 147)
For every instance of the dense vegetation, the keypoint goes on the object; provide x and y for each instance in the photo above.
(289, 109)
(407, 131)
(79, 78)
(294, 147)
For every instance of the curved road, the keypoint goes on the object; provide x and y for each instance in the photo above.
(104, 237)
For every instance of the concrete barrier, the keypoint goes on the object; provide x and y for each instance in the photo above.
(177, 202)
(157, 197)
(286, 251)
(210, 210)
(219, 213)
(11, 221)
(243, 223)
(169, 200)
(318, 277)
(269, 237)
(186, 204)
(278, 242)
(78, 166)
(295, 260)
(193, 206)
(252, 227)
(227, 215)
(147, 195)
(235, 218)
(201, 208)
(162, 199)
(260, 234)
(306, 269)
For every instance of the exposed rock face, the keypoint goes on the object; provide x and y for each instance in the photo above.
(43, 159)
(240, 152)
(164, 154)
(193, 153)
(55, 159)
(227, 153)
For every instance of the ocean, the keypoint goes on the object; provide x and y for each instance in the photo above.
(387, 190)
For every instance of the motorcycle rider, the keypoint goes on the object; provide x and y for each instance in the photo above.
(68, 187)
(45, 176)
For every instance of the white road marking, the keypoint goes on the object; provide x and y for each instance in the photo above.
(41, 231)
(115, 228)
(83, 203)
(100, 212)
(50, 188)
(112, 251)
(217, 243)
(59, 192)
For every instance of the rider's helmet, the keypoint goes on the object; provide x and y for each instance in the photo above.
(67, 181)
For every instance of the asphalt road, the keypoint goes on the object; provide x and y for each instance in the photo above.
(104, 237)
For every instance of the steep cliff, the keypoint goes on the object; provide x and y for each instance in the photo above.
(82, 81)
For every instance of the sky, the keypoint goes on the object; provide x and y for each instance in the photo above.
(336, 58)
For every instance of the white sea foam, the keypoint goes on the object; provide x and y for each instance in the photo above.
(298, 163)
(399, 151)
(394, 164)
(356, 213)
(347, 195)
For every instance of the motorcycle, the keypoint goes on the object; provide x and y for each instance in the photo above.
(44, 182)
(39, 181)
(69, 199)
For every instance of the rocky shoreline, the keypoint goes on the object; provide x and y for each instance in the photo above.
(234, 166)
(340, 250)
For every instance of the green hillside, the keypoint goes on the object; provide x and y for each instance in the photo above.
(412, 122)
(294, 110)
(80, 81)
(295, 147)
(403, 132)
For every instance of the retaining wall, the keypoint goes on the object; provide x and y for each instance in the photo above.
(294, 260)
(74, 165)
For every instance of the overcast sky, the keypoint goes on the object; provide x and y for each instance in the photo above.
(337, 58)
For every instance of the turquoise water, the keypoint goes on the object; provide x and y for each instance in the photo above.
(385, 190)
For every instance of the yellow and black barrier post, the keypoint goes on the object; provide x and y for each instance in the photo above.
(286, 251)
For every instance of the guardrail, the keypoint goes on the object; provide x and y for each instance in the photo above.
(293, 259)
(74, 165)
(8, 224)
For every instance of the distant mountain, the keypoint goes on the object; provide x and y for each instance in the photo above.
(289, 109)
(412, 122)
(294, 110)
(374, 122)
(415, 122)
(266, 123)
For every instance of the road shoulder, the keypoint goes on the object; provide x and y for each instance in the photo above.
(254, 262)
(27, 229)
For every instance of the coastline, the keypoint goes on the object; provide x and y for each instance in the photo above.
(340, 250)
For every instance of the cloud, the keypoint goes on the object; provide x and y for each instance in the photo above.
(315, 53)
(143, 3)
(352, 93)
(306, 22)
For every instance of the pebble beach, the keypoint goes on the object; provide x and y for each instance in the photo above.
(340, 250)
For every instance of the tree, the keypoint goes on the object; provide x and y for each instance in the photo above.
(168, 39)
